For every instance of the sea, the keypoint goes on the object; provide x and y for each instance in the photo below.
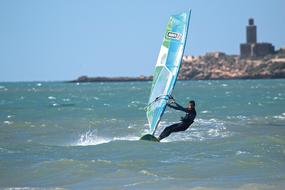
(59, 135)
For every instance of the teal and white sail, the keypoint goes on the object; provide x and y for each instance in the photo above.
(167, 67)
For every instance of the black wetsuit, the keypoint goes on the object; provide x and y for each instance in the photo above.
(186, 121)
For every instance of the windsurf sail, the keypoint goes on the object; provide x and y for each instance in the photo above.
(167, 67)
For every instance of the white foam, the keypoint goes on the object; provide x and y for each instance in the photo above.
(8, 122)
(55, 105)
(242, 117)
(126, 138)
(147, 173)
(201, 130)
(52, 98)
(3, 88)
(239, 152)
(92, 138)
(281, 117)
(95, 98)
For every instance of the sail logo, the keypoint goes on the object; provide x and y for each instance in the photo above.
(174, 35)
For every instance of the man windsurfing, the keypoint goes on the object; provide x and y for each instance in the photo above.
(185, 121)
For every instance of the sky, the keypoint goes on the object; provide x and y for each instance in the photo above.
(55, 40)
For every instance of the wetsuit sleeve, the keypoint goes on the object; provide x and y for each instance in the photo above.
(178, 107)
(192, 115)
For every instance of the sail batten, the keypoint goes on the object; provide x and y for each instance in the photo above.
(167, 67)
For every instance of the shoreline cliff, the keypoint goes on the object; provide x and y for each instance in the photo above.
(218, 65)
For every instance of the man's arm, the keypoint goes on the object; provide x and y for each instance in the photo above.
(178, 107)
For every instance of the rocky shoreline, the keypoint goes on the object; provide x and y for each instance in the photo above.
(216, 66)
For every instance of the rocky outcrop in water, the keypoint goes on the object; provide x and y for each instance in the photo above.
(112, 79)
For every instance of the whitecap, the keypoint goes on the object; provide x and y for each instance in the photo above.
(147, 173)
(224, 85)
(3, 88)
(239, 152)
(205, 111)
(8, 122)
(39, 84)
(241, 117)
(52, 98)
(281, 117)
(201, 130)
(213, 132)
(126, 138)
(133, 184)
(135, 102)
(91, 138)
(103, 161)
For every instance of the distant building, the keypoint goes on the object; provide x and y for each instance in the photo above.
(251, 48)
(216, 54)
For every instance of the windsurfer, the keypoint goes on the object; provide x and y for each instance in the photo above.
(185, 121)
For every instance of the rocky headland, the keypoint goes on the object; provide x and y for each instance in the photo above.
(218, 65)
(215, 66)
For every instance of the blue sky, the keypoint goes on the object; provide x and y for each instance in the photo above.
(63, 39)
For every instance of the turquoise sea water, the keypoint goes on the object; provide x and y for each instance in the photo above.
(85, 136)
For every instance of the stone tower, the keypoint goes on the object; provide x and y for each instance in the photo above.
(251, 32)
(252, 48)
